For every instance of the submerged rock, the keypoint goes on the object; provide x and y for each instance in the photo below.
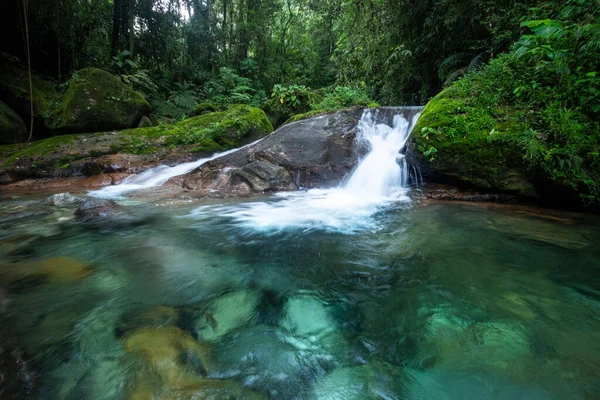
(62, 199)
(264, 361)
(309, 153)
(377, 380)
(307, 316)
(227, 313)
(95, 210)
(25, 275)
(178, 359)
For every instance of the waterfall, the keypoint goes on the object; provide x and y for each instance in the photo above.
(379, 179)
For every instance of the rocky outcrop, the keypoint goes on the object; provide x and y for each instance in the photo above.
(317, 152)
(12, 127)
(98, 101)
(132, 150)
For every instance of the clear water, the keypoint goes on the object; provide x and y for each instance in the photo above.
(438, 301)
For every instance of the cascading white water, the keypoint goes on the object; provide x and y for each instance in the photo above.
(379, 179)
(153, 177)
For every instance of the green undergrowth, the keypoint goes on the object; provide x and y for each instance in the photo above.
(535, 110)
(39, 149)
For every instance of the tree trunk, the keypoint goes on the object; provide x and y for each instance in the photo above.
(131, 11)
(117, 17)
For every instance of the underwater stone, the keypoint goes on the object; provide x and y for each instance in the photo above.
(307, 316)
(227, 313)
(172, 353)
(98, 210)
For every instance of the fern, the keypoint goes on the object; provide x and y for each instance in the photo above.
(456, 67)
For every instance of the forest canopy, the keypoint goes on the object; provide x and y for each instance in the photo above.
(398, 51)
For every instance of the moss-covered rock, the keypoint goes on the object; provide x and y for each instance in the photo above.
(203, 108)
(98, 101)
(59, 155)
(457, 140)
(14, 90)
(12, 127)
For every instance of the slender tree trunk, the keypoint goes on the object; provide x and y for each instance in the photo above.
(58, 38)
(225, 32)
(27, 50)
(131, 10)
(118, 8)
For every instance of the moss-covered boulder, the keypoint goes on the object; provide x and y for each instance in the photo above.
(98, 101)
(12, 127)
(14, 91)
(67, 155)
(454, 141)
(495, 129)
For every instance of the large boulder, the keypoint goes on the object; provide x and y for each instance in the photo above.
(12, 127)
(449, 148)
(317, 152)
(97, 101)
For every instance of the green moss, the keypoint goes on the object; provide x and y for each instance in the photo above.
(98, 101)
(35, 150)
(472, 143)
(207, 133)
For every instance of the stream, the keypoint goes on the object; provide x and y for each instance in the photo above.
(353, 292)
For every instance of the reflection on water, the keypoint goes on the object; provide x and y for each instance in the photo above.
(441, 302)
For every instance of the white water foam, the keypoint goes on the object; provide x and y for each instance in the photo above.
(154, 177)
(379, 180)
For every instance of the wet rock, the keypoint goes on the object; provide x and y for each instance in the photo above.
(310, 153)
(226, 314)
(95, 210)
(262, 359)
(62, 199)
(264, 177)
(172, 353)
(307, 316)
(343, 384)
(205, 389)
(154, 317)
(453, 343)
(448, 384)
(55, 270)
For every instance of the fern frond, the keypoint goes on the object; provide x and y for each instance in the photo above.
(452, 63)
(454, 76)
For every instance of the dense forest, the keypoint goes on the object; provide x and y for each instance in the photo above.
(399, 52)
(537, 58)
